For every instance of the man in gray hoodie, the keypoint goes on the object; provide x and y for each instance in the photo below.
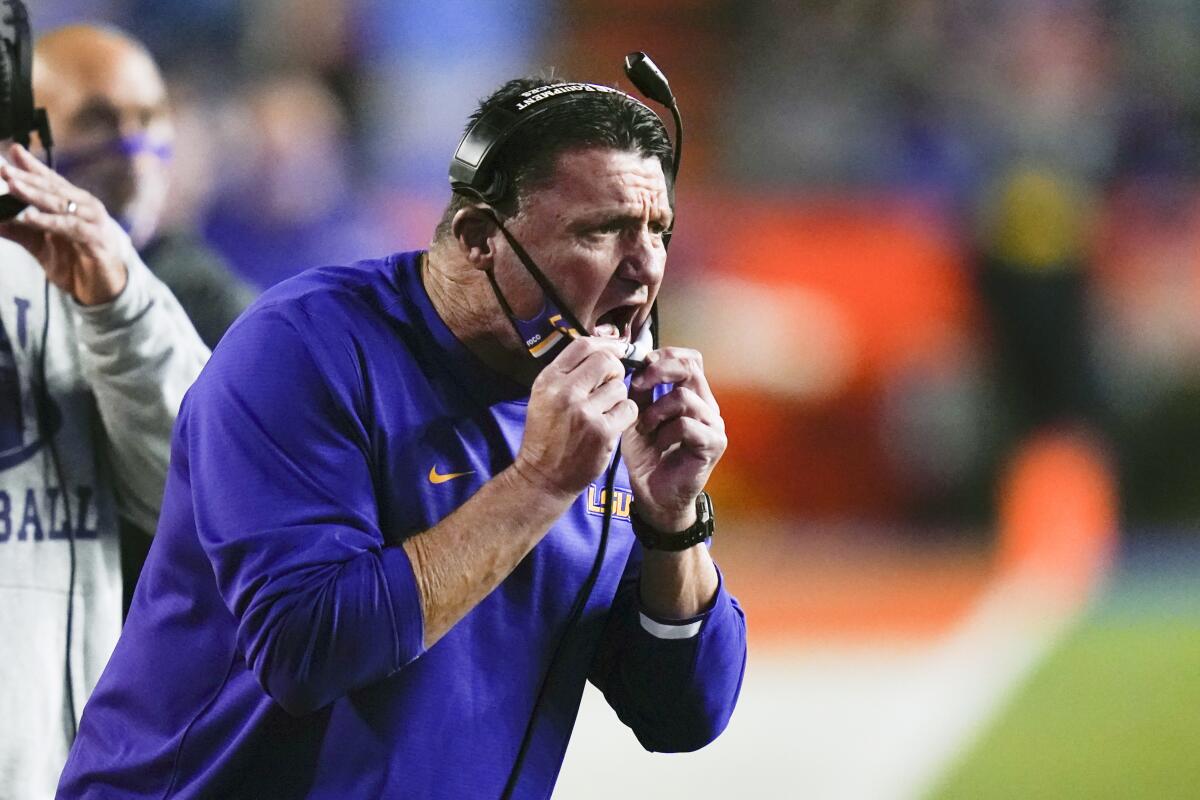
(115, 137)
(95, 356)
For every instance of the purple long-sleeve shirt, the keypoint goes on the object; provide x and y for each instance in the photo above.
(274, 647)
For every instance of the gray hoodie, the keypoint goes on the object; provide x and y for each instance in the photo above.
(115, 375)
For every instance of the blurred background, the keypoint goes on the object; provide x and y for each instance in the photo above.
(943, 259)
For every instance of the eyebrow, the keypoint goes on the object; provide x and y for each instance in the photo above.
(98, 107)
(602, 218)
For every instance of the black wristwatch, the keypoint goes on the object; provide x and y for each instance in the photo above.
(652, 539)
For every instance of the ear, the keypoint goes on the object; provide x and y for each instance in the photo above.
(473, 228)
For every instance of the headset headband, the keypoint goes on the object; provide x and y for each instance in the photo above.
(470, 169)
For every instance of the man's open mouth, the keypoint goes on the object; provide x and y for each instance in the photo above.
(616, 323)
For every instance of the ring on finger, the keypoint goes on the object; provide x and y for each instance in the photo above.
(71, 207)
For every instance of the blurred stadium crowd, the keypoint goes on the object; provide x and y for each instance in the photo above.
(912, 234)
(942, 257)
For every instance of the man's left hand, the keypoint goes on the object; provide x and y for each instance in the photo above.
(66, 229)
(677, 440)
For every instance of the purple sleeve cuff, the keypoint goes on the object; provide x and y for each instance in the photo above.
(408, 620)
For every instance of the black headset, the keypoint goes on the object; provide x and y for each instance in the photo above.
(473, 171)
(18, 117)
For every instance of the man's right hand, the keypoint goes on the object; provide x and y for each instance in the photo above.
(66, 229)
(578, 409)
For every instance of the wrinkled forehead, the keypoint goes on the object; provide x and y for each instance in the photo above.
(607, 176)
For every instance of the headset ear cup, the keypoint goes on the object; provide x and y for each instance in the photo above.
(10, 206)
(6, 91)
(494, 192)
(17, 59)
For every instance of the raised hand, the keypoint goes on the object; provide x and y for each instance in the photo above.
(66, 229)
(578, 408)
(677, 441)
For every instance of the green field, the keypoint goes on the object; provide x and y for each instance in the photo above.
(1113, 712)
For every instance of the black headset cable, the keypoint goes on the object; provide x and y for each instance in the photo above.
(581, 601)
(45, 409)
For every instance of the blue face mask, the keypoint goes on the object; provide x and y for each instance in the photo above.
(129, 147)
(104, 169)
(544, 332)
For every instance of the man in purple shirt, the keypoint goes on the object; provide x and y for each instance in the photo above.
(415, 503)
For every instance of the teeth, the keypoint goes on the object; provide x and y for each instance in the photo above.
(606, 330)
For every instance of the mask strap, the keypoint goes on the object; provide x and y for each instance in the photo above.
(553, 327)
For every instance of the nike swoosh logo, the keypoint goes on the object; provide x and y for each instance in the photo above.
(436, 477)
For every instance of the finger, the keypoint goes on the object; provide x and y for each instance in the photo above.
(675, 365)
(55, 183)
(34, 192)
(38, 191)
(52, 182)
(608, 394)
(621, 416)
(27, 161)
(572, 355)
(68, 226)
(644, 397)
(679, 402)
(690, 433)
(668, 365)
(579, 350)
(598, 368)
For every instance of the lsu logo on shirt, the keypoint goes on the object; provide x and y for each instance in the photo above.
(597, 499)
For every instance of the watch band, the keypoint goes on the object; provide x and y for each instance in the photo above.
(700, 530)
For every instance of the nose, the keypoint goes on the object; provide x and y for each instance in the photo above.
(131, 127)
(145, 135)
(643, 257)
